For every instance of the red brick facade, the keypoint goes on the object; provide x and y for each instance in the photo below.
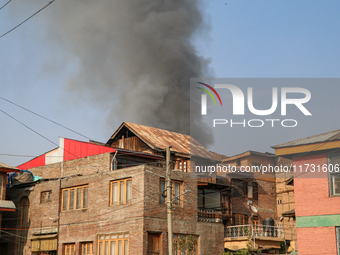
(144, 215)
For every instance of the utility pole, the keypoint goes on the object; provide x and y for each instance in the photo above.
(169, 200)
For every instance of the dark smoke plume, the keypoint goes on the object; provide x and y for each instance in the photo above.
(135, 55)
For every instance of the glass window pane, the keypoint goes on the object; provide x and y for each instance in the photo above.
(71, 205)
(65, 199)
(161, 191)
(100, 248)
(85, 197)
(114, 193)
(107, 248)
(128, 191)
(126, 247)
(121, 197)
(120, 235)
(78, 203)
(113, 248)
(120, 247)
(114, 237)
(176, 193)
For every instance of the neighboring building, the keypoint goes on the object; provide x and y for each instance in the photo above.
(5, 205)
(286, 204)
(316, 164)
(95, 199)
(253, 203)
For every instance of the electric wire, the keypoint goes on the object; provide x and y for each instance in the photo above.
(5, 4)
(27, 19)
(54, 122)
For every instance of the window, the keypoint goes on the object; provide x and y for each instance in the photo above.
(240, 219)
(185, 244)
(24, 223)
(45, 196)
(209, 199)
(334, 174)
(124, 163)
(181, 165)
(114, 244)
(121, 192)
(338, 239)
(1, 188)
(86, 248)
(69, 249)
(176, 191)
(74, 198)
(240, 188)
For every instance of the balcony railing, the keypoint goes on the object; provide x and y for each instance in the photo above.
(254, 231)
(213, 215)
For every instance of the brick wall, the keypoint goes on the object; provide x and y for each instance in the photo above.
(317, 241)
(145, 214)
(313, 189)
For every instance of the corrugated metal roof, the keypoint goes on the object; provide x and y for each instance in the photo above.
(325, 137)
(7, 204)
(159, 138)
(248, 153)
(5, 166)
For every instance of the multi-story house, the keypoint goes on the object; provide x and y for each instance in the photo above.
(110, 199)
(253, 203)
(316, 167)
(5, 205)
(285, 201)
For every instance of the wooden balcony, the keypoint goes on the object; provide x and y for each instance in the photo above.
(214, 215)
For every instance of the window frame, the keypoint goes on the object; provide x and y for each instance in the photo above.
(331, 175)
(337, 233)
(102, 239)
(84, 249)
(69, 252)
(182, 165)
(126, 192)
(178, 201)
(1, 186)
(245, 220)
(49, 199)
(23, 223)
(75, 198)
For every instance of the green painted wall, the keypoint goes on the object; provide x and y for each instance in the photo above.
(318, 221)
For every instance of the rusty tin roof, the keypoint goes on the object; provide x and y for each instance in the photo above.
(158, 139)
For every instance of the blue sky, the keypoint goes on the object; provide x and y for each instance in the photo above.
(246, 39)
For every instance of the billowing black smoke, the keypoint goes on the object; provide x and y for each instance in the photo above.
(135, 55)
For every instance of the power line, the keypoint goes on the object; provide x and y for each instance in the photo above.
(28, 127)
(5, 4)
(27, 19)
(54, 122)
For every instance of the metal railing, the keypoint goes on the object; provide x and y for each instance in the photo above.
(254, 231)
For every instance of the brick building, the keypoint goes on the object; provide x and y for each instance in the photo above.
(316, 162)
(5, 205)
(284, 182)
(100, 199)
(253, 203)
